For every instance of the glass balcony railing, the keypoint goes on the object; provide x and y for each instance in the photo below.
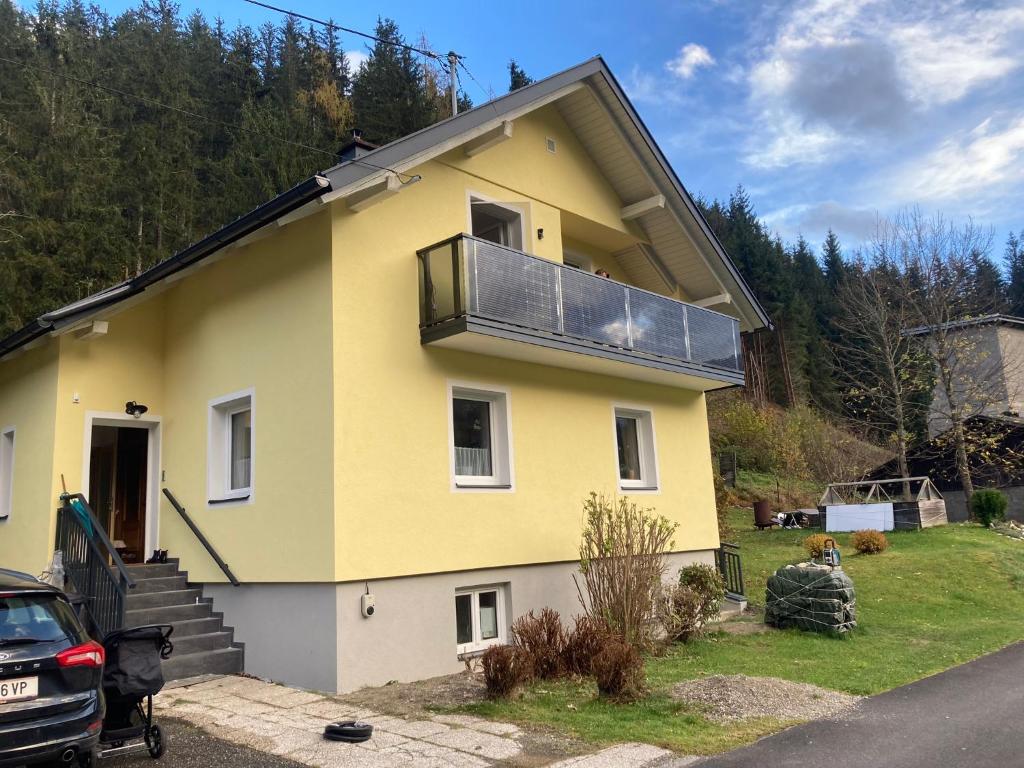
(469, 277)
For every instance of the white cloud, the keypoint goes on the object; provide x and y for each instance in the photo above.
(691, 58)
(836, 71)
(355, 59)
(985, 164)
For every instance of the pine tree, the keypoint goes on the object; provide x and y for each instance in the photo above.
(388, 95)
(1015, 274)
(517, 77)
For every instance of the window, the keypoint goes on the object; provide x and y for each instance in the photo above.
(634, 445)
(577, 261)
(6, 472)
(497, 223)
(230, 457)
(480, 438)
(479, 619)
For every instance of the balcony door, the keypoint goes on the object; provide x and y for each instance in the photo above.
(496, 222)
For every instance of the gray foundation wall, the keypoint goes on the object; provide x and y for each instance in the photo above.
(290, 631)
(956, 505)
(411, 635)
(315, 636)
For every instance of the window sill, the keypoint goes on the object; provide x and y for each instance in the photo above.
(229, 499)
(477, 486)
(646, 488)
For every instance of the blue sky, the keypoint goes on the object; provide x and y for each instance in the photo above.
(829, 112)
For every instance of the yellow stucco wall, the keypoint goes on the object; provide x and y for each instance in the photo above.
(258, 318)
(352, 475)
(28, 390)
(396, 512)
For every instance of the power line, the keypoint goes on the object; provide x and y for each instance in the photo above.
(231, 126)
(332, 25)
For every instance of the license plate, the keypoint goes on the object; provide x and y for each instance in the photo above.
(19, 689)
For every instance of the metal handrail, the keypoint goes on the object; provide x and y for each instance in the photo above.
(86, 556)
(464, 283)
(730, 566)
(202, 539)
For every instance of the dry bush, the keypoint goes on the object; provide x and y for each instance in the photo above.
(622, 562)
(815, 544)
(582, 644)
(688, 606)
(505, 669)
(869, 542)
(797, 443)
(542, 641)
(618, 670)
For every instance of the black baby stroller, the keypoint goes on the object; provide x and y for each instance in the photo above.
(132, 675)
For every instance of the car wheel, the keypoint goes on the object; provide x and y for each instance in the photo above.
(350, 731)
(155, 742)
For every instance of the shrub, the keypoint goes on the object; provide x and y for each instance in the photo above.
(869, 542)
(582, 644)
(815, 544)
(688, 606)
(542, 641)
(622, 561)
(618, 669)
(988, 505)
(505, 668)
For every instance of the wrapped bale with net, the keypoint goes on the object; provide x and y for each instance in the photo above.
(812, 597)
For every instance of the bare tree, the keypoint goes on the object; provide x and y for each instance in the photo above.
(879, 365)
(935, 258)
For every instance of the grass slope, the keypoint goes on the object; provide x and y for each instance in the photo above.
(934, 599)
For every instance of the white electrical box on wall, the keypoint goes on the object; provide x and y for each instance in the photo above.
(366, 605)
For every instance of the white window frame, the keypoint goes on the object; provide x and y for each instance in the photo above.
(571, 257)
(477, 645)
(519, 211)
(218, 449)
(502, 477)
(646, 444)
(7, 446)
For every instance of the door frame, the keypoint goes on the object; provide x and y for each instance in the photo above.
(153, 424)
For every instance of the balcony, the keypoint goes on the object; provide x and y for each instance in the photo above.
(482, 297)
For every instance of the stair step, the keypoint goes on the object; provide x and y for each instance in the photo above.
(158, 584)
(190, 627)
(171, 614)
(163, 599)
(154, 570)
(224, 661)
(210, 641)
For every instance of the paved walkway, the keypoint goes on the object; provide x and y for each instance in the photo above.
(965, 717)
(289, 723)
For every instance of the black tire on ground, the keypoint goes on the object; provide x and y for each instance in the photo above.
(155, 742)
(351, 731)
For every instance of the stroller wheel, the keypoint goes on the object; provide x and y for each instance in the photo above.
(155, 742)
(87, 759)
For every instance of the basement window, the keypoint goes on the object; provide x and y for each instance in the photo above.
(230, 449)
(634, 445)
(479, 438)
(479, 619)
(6, 472)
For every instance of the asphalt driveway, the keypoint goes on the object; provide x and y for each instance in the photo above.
(966, 717)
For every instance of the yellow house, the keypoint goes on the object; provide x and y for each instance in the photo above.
(382, 397)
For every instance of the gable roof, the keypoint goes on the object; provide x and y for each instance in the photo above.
(970, 322)
(683, 247)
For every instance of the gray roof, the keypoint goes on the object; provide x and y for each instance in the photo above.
(969, 322)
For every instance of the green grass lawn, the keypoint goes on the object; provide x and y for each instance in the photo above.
(934, 599)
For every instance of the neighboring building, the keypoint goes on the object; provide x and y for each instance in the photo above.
(993, 346)
(993, 376)
(340, 417)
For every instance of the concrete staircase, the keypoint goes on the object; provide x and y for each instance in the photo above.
(202, 644)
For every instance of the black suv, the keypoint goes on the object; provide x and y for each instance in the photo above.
(51, 705)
